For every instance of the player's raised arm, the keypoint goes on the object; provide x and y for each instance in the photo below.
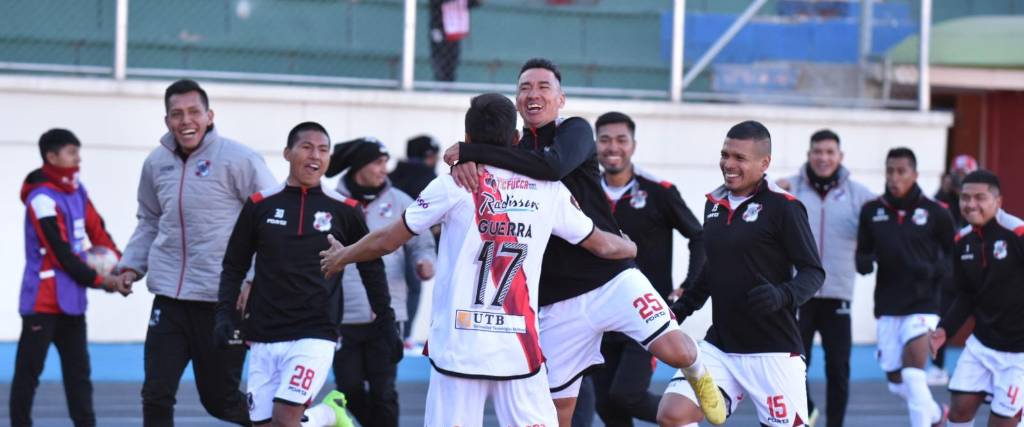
(378, 243)
(609, 246)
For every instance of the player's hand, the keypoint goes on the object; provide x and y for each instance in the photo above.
(451, 155)
(465, 176)
(630, 246)
(766, 298)
(243, 296)
(330, 258)
(225, 334)
(935, 341)
(784, 184)
(676, 294)
(425, 270)
(128, 277)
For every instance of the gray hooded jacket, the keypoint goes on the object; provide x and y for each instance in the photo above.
(833, 220)
(187, 210)
(382, 211)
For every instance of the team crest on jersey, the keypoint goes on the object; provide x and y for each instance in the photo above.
(880, 216)
(639, 200)
(203, 168)
(999, 249)
(920, 216)
(752, 212)
(386, 210)
(322, 221)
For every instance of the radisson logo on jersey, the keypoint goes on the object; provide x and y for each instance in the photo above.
(491, 205)
(490, 322)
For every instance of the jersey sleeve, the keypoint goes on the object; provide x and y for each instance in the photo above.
(570, 223)
(430, 207)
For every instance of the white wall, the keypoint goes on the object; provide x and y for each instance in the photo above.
(120, 122)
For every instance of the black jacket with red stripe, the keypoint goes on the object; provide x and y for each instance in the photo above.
(766, 239)
(286, 228)
(563, 151)
(910, 239)
(988, 270)
(648, 213)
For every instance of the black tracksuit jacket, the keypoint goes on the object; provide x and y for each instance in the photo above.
(286, 228)
(764, 239)
(910, 239)
(647, 213)
(565, 152)
(989, 273)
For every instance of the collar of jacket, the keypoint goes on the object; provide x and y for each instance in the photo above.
(841, 174)
(721, 194)
(288, 188)
(209, 139)
(540, 137)
(345, 190)
(911, 200)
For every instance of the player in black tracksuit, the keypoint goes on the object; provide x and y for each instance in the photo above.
(291, 301)
(648, 209)
(989, 273)
(910, 237)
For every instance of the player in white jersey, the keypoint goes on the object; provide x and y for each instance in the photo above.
(484, 337)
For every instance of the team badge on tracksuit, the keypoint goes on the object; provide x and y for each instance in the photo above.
(752, 212)
(203, 168)
(999, 249)
(639, 200)
(322, 221)
(920, 216)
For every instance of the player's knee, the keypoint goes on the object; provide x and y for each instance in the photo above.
(959, 414)
(677, 416)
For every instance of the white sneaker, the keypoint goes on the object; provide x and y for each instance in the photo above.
(937, 376)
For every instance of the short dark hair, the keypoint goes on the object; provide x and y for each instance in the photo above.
(903, 153)
(541, 63)
(982, 176)
(753, 130)
(55, 139)
(293, 135)
(182, 87)
(491, 119)
(612, 117)
(824, 135)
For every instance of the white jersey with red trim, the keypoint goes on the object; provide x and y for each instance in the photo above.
(484, 316)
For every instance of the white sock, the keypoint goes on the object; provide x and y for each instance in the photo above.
(963, 424)
(898, 389)
(924, 411)
(696, 369)
(320, 416)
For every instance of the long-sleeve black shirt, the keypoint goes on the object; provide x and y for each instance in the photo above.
(989, 272)
(647, 213)
(911, 240)
(764, 239)
(286, 228)
(561, 151)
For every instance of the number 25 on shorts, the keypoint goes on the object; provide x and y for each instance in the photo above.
(647, 305)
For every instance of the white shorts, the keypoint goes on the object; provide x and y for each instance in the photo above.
(998, 374)
(291, 372)
(894, 332)
(457, 401)
(571, 330)
(776, 382)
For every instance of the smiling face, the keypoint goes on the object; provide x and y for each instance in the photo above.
(539, 97)
(615, 147)
(188, 119)
(307, 158)
(824, 157)
(979, 203)
(743, 164)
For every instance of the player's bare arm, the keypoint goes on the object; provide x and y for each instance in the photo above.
(372, 246)
(609, 246)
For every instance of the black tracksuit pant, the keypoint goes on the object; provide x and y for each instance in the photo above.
(366, 374)
(67, 333)
(621, 387)
(830, 318)
(182, 331)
